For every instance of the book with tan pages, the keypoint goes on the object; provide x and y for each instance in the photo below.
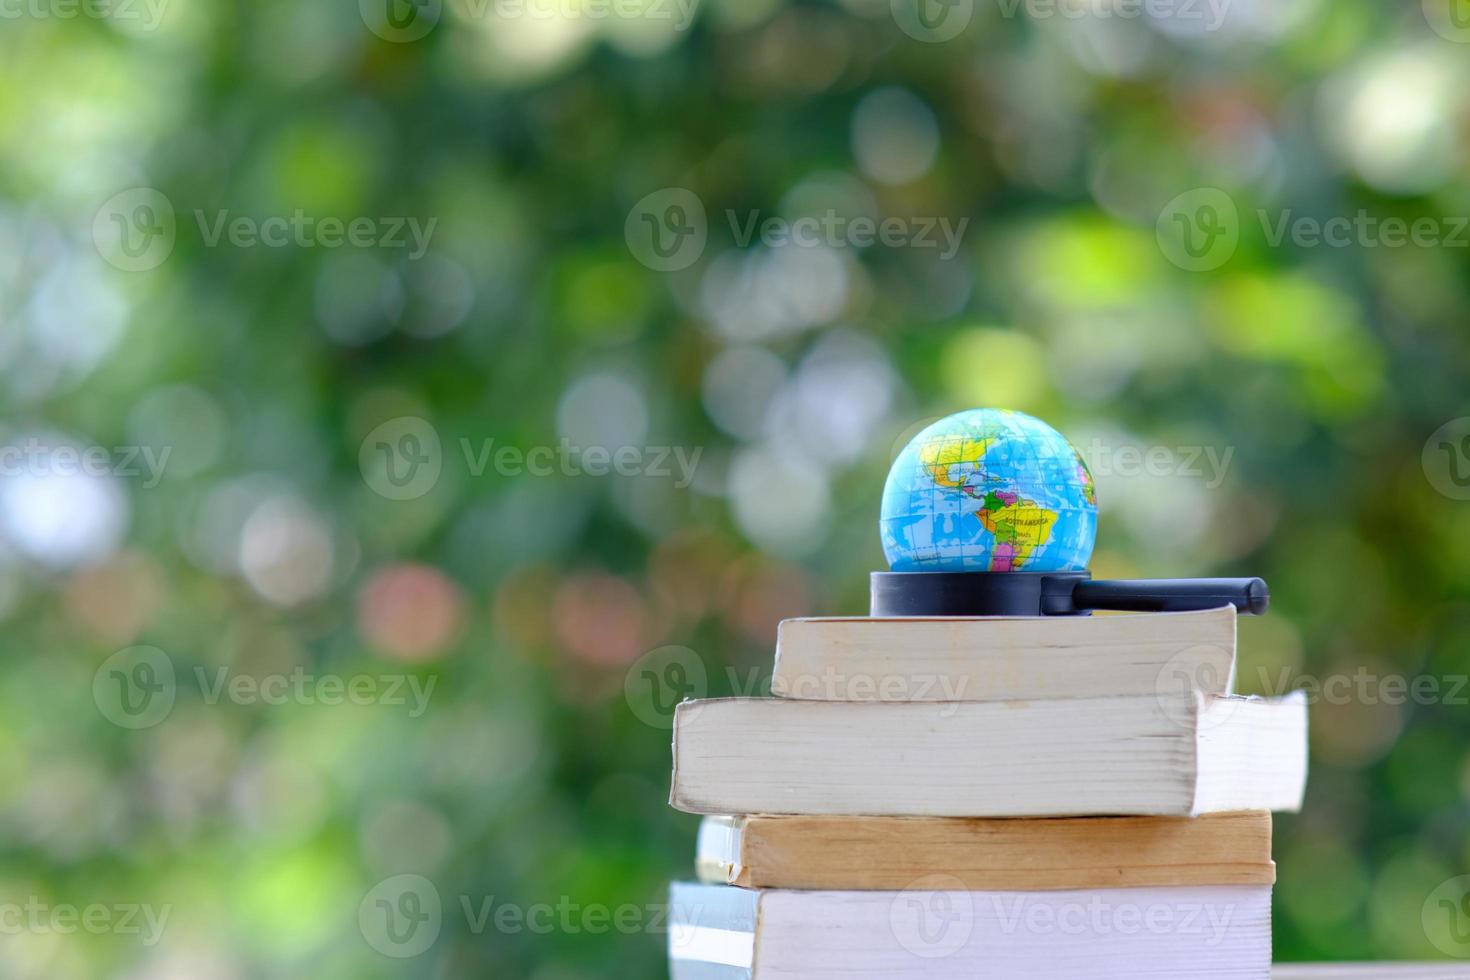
(874, 853)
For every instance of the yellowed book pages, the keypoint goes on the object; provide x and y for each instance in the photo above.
(877, 853)
(955, 658)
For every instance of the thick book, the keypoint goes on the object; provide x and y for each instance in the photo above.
(1179, 756)
(925, 932)
(1005, 658)
(876, 853)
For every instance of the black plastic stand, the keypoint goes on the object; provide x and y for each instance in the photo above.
(1054, 594)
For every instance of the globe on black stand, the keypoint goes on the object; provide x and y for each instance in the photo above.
(994, 513)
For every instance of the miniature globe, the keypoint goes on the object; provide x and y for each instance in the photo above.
(989, 490)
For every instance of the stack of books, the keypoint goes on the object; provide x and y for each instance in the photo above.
(1074, 798)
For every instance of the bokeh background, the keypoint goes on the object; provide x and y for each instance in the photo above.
(272, 385)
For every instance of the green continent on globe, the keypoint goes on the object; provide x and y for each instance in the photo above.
(1020, 527)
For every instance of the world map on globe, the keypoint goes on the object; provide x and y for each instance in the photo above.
(989, 490)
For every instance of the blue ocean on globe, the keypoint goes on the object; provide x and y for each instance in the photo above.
(989, 490)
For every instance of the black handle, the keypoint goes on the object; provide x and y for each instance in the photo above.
(1248, 595)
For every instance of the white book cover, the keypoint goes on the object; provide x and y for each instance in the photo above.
(931, 932)
(1075, 757)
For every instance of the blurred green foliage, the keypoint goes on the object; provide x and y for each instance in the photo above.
(1315, 376)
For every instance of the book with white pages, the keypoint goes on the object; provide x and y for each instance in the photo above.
(925, 932)
(1147, 755)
